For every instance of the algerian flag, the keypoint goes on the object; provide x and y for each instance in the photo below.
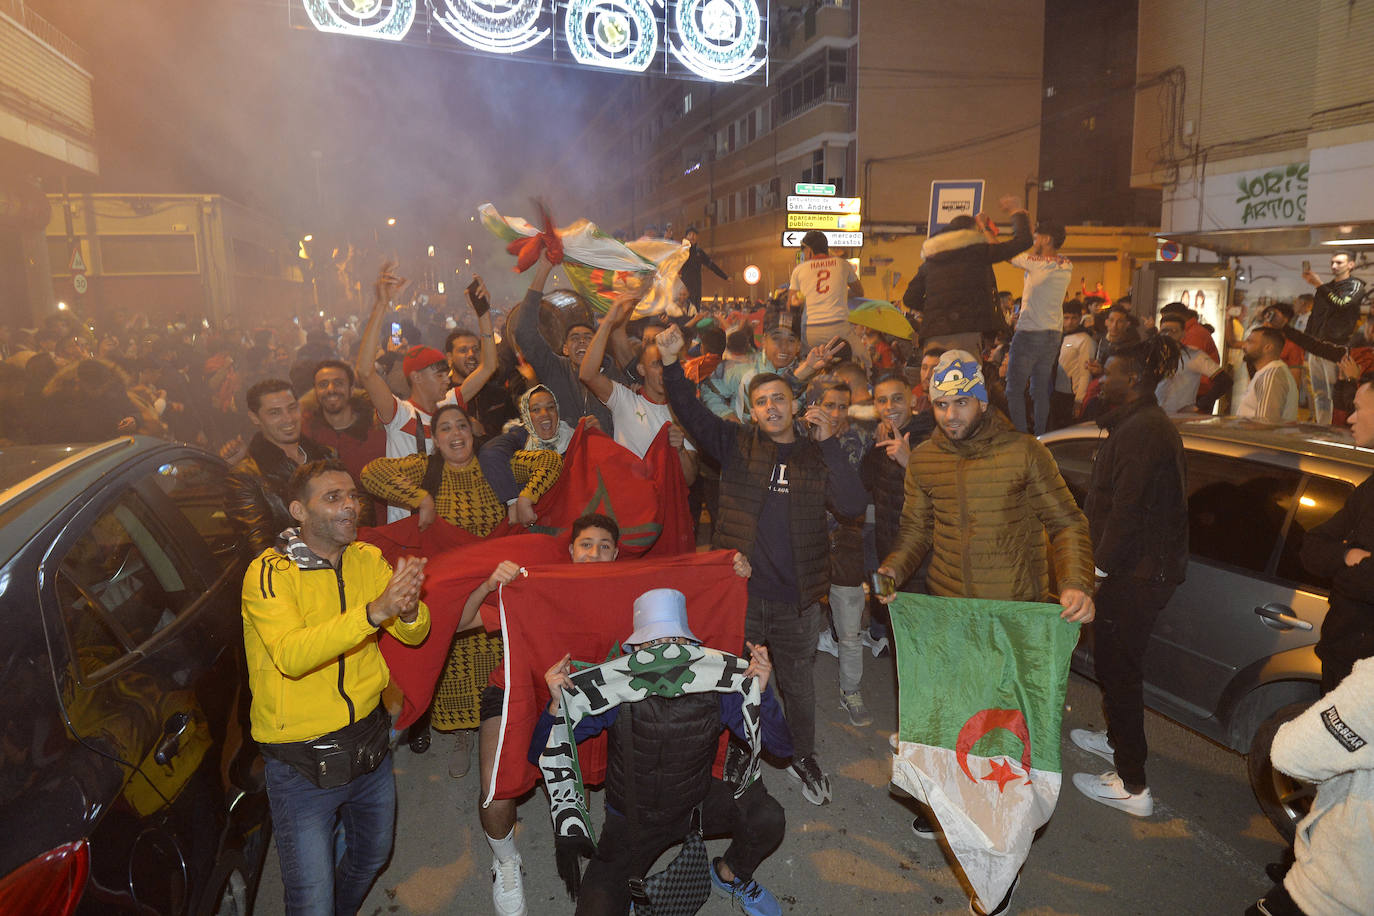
(603, 268)
(982, 689)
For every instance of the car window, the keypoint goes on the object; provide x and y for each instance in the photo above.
(1320, 499)
(117, 585)
(1075, 460)
(1237, 509)
(199, 489)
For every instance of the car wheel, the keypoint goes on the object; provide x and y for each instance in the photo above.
(1283, 799)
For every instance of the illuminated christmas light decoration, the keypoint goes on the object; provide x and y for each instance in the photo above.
(386, 19)
(718, 39)
(499, 26)
(618, 34)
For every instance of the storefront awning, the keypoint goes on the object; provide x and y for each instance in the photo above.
(1317, 238)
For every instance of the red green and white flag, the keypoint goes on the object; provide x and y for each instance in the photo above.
(602, 268)
(981, 696)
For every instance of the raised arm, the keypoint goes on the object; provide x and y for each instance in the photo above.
(533, 346)
(590, 371)
(486, 367)
(711, 434)
(366, 364)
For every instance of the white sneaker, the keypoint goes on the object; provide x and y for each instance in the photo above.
(1110, 791)
(507, 887)
(826, 643)
(876, 646)
(1094, 743)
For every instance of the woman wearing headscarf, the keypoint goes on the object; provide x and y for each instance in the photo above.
(539, 429)
(451, 485)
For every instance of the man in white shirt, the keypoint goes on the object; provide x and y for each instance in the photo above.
(1040, 326)
(824, 283)
(1178, 392)
(636, 418)
(1272, 395)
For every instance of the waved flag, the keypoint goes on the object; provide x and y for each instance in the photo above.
(981, 694)
(602, 268)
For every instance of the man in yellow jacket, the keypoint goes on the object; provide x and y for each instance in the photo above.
(982, 498)
(312, 608)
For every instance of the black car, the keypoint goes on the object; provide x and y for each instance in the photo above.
(130, 782)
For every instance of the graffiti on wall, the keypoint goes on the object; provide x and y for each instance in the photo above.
(1277, 195)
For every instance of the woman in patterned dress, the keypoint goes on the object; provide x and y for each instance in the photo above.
(450, 485)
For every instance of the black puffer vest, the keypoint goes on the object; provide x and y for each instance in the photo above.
(675, 745)
(743, 486)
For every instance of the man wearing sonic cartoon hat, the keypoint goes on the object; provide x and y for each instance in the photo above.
(980, 497)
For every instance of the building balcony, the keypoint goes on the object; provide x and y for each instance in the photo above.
(47, 112)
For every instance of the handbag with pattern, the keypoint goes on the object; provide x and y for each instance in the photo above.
(682, 888)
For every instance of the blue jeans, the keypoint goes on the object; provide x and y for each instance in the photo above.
(304, 817)
(1321, 375)
(1033, 358)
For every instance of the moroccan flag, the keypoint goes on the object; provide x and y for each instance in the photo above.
(586, 610)
(981, 693)
(646, 496)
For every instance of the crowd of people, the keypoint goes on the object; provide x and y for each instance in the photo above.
(836, 465)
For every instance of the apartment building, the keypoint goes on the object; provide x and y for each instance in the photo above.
(877, 97)
(1255, 118)
(47, 134)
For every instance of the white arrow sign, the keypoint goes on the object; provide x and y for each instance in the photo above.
(799, 204)
(792, 238)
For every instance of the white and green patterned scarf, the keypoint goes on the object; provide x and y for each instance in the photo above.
(667, 670)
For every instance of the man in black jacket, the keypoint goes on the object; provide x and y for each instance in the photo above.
(1335, 311)
(659, 770)
(775, 485)
(954, 289)
(1138, 514)
(1339, 549)
(257, 483)
(690, 274)
(884, 467)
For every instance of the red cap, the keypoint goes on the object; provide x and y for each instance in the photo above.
(418, 358)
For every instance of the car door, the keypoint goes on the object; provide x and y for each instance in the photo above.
(1239, 510)
(129, 585)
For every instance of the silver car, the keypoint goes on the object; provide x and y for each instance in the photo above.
(1232, 655)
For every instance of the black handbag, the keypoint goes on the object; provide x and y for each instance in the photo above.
(683, 887)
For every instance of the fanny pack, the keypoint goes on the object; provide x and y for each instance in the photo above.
(341, 756)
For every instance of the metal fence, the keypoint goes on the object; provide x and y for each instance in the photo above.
(46, 32)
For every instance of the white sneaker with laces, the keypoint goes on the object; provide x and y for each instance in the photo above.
(507, 887)
(1094, 743)
(1111, 791)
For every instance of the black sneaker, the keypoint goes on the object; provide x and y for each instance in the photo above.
(923, 828)
(815, 784)
(977, 909)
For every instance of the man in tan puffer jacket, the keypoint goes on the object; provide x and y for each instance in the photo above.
(984, 497)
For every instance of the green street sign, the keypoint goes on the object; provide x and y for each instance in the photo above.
(817, 190)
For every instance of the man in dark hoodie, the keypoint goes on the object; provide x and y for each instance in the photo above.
(1137, 512)
(955, 289)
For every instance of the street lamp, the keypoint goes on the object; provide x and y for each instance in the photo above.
(391, 221)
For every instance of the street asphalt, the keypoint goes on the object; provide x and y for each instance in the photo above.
(1202, 852)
